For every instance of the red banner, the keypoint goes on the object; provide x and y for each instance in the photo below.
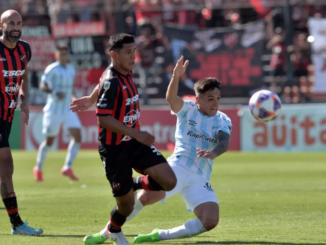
(78, 29)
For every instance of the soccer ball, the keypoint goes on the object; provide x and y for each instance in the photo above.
(265, 105)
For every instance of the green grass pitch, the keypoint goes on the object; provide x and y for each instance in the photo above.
(264, 199)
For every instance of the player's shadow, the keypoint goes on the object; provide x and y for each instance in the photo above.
(244, 243)
(64, 236)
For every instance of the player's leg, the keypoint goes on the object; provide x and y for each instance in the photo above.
(199, 197)
(159, 176)
(8, 195)
(51, 127)
(74, 126)
(117, 166)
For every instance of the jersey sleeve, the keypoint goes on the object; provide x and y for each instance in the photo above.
(187, 105)
(108, 92)
(49, 77)
(225, 125)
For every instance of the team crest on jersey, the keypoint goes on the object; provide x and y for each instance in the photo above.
(23, 58)
(107, 85)
(192, 122)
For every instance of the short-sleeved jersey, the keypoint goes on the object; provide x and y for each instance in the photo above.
(13, 64)
(194, 130)
(59, 79)
(118, 97)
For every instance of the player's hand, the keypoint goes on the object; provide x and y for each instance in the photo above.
(180, 67)
(145, 138)
(81, 104)
(206, 154)
(25, 112)
(60, 95)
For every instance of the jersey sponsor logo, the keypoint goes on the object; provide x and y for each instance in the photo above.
(13, 104)
(132, 100)
(12, 88)
(192, 122)
(13, 73)
(3, 59)
(204, 137)
(131, 118)
(107, 85)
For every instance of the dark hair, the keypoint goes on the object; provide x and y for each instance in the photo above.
(61, 47)
(117, 40)
(206, 84)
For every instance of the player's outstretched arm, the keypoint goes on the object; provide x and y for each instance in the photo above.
(85, 102)
(114, 125)
(223, 140)
(172, 98)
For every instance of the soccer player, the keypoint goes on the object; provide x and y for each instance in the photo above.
(14, 57)
(202, 134)
(58, 82)
(123, 145)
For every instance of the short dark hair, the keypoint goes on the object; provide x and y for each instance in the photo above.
(206, 84)
(117, 40)
(62, 47)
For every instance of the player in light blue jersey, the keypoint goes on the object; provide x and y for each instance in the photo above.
(202, 134)
(58, 82)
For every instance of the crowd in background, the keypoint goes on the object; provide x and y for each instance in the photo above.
(145, 19)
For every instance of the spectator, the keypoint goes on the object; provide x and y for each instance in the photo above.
(85, 9)
(59, 11)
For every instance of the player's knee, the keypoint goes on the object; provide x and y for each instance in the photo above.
(145, 199)
(210, 223)
(77, 137)
(170, 183)
(7, 169)
(49, 142)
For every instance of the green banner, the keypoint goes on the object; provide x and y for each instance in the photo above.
(15, 134)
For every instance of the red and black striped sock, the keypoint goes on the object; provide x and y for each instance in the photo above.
(117, 220)
(12, 209)
(146, 183)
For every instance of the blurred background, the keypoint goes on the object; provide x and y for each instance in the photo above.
(249, 45)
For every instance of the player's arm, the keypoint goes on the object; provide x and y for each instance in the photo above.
(85, 102)
(108, 92)
(172, 97)
(223, 140)
(45, 87)
(24, 97)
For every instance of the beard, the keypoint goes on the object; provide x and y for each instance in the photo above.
(11, 38)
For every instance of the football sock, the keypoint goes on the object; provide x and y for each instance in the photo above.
(137, 208)
(188, 229)
(73, 149)
(41, 155)
(105, 231)
(146, 183)
(12, 209)
(117, 220)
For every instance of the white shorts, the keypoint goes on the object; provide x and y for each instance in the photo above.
(193, 189)
(52, 122)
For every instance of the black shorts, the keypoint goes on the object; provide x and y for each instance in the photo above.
(119, 160)
(5, 128)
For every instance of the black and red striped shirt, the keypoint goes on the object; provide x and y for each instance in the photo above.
(13, 63)
(117, 97)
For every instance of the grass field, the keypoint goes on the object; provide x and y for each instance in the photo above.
(264, 199)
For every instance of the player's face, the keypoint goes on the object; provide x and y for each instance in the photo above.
(209, 102)
(62, 56)
(12, 28)
(125, 58)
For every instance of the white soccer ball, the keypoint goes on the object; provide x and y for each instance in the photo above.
(265, 105)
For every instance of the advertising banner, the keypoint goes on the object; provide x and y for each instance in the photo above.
(158, 121)
(297, 129)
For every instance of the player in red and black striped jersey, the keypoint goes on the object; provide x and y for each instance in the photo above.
(14, 57)
(123, 145)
